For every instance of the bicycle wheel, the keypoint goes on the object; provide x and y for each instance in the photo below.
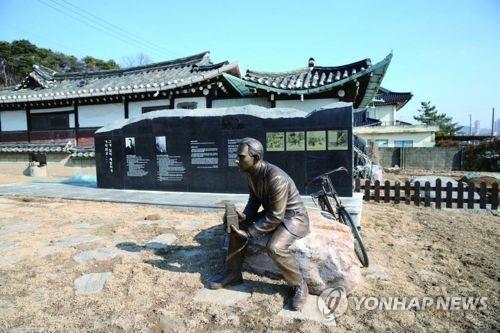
(359, 247)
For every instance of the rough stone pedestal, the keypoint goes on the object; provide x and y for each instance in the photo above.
(326, 256)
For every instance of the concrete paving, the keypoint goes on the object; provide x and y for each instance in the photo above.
(100, 254)
(91, 283)
(180, 200)
(226, 296)
(162, 241)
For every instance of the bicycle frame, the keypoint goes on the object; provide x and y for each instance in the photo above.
(340, 213)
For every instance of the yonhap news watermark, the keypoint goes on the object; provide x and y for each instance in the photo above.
(334, 302)
(445, 303)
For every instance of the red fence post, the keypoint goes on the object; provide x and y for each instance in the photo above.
(396, 192)
(407, 192)
(377, 191)
(387, 191)
(438, 193)
(427, 198)
(449, 195)
(460, 195)
(416, 193)
(470, 195)
(482, 195)
(494, 196)
(367, 190)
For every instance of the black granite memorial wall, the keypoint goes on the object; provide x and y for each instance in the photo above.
(164, 151)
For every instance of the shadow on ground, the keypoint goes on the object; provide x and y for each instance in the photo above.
(207, 259)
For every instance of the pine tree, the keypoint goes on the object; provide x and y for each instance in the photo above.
(20, 56)
(428, 115)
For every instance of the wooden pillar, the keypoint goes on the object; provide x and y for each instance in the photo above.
(272, 99)
(125, 107)
(77, 121)
(28, 121)
(208, 98)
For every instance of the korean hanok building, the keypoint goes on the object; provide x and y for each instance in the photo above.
(51, 116)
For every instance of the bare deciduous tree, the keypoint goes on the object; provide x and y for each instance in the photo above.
(137, 59)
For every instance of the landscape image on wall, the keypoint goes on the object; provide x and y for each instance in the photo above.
(316, 140)
(129, 146)
(295, 141)
(275, 141)
(337, 140)
(161, 145)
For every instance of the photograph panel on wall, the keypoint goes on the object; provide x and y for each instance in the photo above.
(129, 146)
(337, 140)
(161, 145)
(275, 141)
(295, 141)
(316, 140)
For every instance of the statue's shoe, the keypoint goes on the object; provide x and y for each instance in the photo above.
(299, 296)
(226, 279)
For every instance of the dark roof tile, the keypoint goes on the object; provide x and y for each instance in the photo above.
(386, 97)
(307, 77)
(46, 84)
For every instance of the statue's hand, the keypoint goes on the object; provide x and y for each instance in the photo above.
(241, 217)
(239, 233)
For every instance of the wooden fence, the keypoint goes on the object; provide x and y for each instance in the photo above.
(448, 196)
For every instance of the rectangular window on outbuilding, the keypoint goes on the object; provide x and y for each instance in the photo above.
(146, 109)
(41, 159)
(49, 121)
(382, 142)
(403, 143)
(187, 105)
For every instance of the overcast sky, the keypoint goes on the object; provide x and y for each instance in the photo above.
(446, 52)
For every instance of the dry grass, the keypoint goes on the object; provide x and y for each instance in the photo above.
(425, 252)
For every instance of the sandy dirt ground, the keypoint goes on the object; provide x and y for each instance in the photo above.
(12, 179)
(414, 252)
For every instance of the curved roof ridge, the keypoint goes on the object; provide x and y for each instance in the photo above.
(361, 63)
(185, 61)
(293, 71)
(212, 66)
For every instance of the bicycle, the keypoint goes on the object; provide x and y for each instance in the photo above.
(324, 197)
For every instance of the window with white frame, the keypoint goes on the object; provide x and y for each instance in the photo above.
(382, 142)
(403, 143)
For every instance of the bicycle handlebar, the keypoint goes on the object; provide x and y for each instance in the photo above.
(326, 174)
(333, 171)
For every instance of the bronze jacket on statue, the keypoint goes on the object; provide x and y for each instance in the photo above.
(278, 195)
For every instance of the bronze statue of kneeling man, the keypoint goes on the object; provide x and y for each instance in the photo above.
(284, 217)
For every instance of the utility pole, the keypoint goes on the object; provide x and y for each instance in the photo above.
(492, 121)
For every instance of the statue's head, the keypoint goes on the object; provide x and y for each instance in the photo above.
(250, 154)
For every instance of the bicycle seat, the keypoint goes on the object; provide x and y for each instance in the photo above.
(320, 180)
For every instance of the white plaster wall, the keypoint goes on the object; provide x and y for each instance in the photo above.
(385, 113)
(259, 101)
(135, 108)
(99, 115)
(425, 139)
(13, 120)
(202, 101)
(307, 105)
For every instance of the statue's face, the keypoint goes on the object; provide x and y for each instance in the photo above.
(245, 161)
